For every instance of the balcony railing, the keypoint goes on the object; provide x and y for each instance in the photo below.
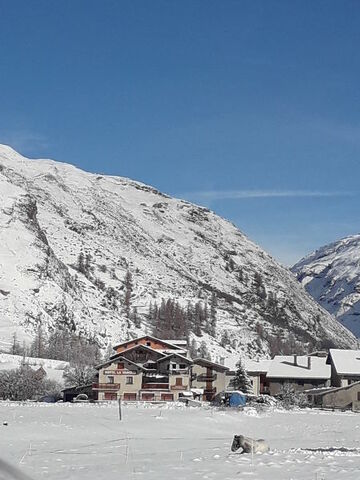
(178, 387)
(105, 386)
(209, 390)
(206, 378)
(155, 386)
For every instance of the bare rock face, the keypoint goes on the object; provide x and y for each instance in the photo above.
(68, 239)
(332, 276)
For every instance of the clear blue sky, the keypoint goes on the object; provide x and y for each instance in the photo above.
(249, 107)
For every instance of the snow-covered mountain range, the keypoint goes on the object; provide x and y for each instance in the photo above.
(52, 212)
(332, 276)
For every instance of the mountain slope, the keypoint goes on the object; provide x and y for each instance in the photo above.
(332, 276)
(50, 212)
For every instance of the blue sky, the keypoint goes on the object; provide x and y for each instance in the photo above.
(248, 107)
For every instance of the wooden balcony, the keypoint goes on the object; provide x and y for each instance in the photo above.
(106, 386)
(179, 387)
(208, 391)
(155, 386)
(206, 378)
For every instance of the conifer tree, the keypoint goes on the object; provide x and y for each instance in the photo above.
(241, 381)
(128, 292)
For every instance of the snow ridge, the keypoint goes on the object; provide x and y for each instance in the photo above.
(331, 275)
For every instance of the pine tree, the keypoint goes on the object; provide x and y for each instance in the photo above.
(225, 339)
(128, 292)
(81, 263)
(204, 352)
(15, 347)
(241, 381)
(38, 346)
(213, 310)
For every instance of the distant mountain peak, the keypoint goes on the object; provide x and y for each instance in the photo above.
(331, 275)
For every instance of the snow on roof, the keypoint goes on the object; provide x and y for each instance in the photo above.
(346, 362)
(187, 360)
(283, 366)
(208, 363)
(54, 368)
(165, 342)
(257, 366)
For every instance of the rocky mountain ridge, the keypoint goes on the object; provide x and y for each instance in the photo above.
(69, 238)
(331, 275)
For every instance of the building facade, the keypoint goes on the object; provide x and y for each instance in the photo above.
(147, 369)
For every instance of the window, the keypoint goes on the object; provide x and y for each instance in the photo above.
(120, 366)
(182, 366)
(110, 379)
(358, 396)
(173, 366)
(129, 380)
(148, 344)
(179, 381)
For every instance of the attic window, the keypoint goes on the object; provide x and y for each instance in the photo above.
(148, 344)
(120, 366)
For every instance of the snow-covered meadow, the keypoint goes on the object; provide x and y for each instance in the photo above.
(82, 441)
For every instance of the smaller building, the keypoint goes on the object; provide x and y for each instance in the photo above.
(257, 371)
(345, 366)
(301, 372)
(347, 397)
(209, 376)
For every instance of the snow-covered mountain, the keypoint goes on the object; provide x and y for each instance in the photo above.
(52, 212)
(332, 276)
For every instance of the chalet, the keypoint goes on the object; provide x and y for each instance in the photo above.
(257, 371)
(345, 366)
(210, 377)
(302, 372)
(146, 369)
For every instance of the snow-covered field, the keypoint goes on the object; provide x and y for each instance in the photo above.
(66, 441)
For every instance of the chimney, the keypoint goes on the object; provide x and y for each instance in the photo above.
(309, 363)
(295, 360)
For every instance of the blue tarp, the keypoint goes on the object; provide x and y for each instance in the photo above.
(237, 400)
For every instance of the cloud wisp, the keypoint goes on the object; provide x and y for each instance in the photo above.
(213, 195)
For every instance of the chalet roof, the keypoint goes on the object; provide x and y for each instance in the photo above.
(284, 366)
(137, 347)
(116, 358)
(346, 362)
(207, 363)
(257, 366)
(187, 360)
(165, 342)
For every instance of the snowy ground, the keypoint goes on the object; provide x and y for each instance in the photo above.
(71, 442)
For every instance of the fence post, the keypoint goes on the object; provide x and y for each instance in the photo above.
(120, 412)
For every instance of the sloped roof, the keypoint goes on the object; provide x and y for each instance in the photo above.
(165, 342)
(283, 366)
(136, 347)
(257, 366)
(115, 358)
(187, 360)
(207, 363)
(346, 362)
